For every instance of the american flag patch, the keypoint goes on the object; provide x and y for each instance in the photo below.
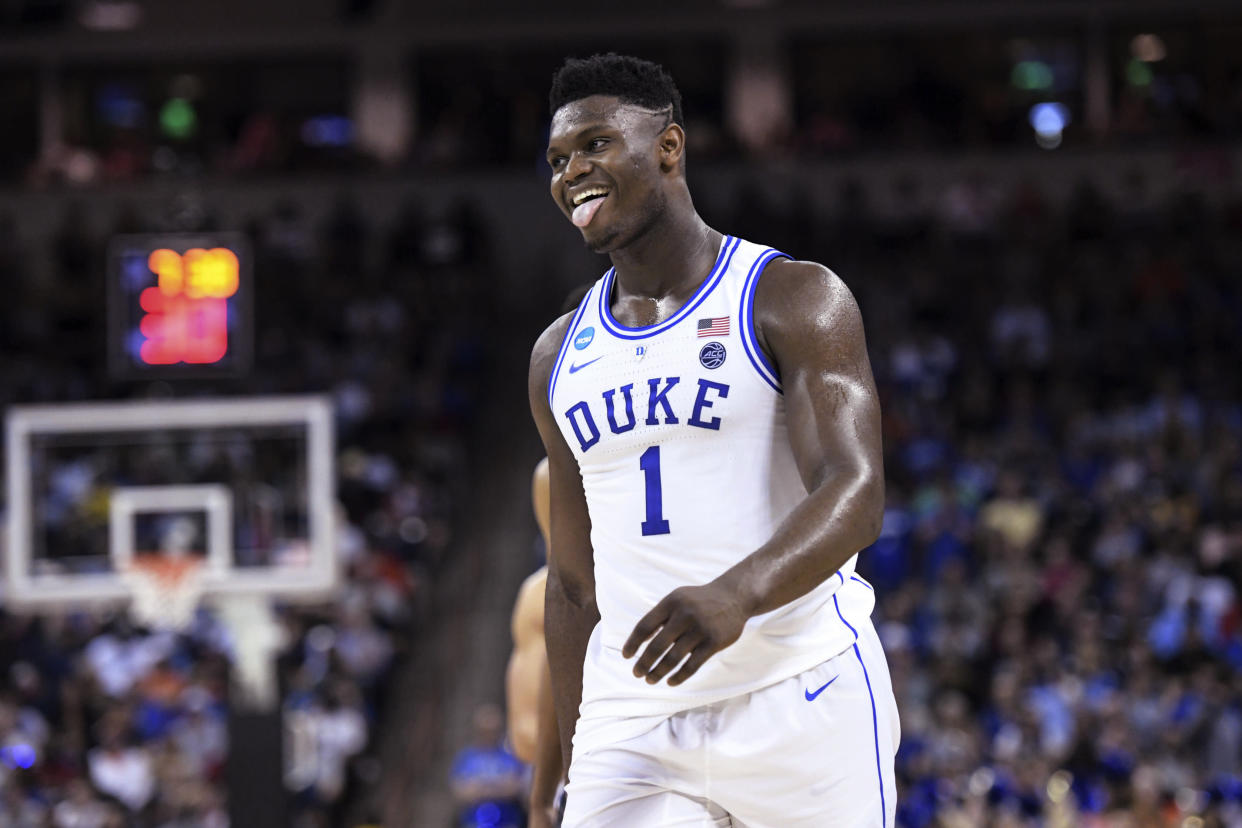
(716, 326)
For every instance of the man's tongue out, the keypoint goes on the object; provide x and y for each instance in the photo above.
(586, 211)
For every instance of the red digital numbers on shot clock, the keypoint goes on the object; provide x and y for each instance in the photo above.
(187, 316)
(179, 305)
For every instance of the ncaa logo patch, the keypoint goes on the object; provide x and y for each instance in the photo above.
(584, 338)
(712, 355)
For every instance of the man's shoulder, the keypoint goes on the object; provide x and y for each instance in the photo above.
(547, 347)
(785, 277)
(797, 299)
(794, 287)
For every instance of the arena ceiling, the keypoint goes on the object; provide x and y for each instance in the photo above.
(47, 29)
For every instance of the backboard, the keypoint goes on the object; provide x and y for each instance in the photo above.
(247, 484)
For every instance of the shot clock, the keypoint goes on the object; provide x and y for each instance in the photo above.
(179, 306)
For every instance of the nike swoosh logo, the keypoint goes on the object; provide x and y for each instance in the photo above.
(811, 696)
(575, 368)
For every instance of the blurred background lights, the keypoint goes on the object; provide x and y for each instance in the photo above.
(1059, 785)
(981, 781)
(120, 106)
(328, 131)
(1031, 75)
(1049, 120)
(1190, 800)
(177, 118)
(1148, 48)
(110, 15)
(19, 755)
(487, 815)
(1138, 73)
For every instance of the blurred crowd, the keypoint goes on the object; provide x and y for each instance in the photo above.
(1060, 567)
(106, 723)
(1061, 558)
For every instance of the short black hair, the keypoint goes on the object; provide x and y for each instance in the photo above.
(631, 79)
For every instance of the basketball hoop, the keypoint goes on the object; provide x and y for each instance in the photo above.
(166, 590)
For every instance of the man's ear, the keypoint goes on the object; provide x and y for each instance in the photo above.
(672, 146)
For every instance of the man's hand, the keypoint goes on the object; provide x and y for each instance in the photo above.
(698, 621)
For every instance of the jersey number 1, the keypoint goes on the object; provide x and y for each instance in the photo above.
(655, 524)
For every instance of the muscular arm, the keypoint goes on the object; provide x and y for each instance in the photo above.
(531, 713)
(527, 664)
(549, 769)
(809, 323)
(570, 613)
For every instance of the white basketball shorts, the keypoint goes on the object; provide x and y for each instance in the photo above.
(812, 750)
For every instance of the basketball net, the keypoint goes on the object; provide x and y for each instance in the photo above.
(166, 590)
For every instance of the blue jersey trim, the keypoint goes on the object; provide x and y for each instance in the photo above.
(569, 335)
(727, 249)
(861, 581)
(842, 617)
(875, 733)
(750, 343)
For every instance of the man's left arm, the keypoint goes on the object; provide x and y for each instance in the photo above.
(809, 323)
(548, 761)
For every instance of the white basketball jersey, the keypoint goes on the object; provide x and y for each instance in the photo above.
(679, 431)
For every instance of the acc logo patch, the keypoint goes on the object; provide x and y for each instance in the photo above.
(584, 338)
(712, 355)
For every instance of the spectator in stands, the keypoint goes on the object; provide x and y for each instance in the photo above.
(487, 780)
(121, 768)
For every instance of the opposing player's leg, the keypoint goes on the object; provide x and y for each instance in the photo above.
(814, 750)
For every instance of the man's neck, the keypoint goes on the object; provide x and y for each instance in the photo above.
(672, 258)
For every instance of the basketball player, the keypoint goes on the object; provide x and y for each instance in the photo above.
(531, 714)
(713, 438)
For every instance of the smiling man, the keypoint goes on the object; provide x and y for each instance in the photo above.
(713, 437)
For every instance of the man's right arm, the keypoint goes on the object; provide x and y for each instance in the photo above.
(570, 613)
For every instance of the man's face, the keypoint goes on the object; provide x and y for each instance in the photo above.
(606, 174)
